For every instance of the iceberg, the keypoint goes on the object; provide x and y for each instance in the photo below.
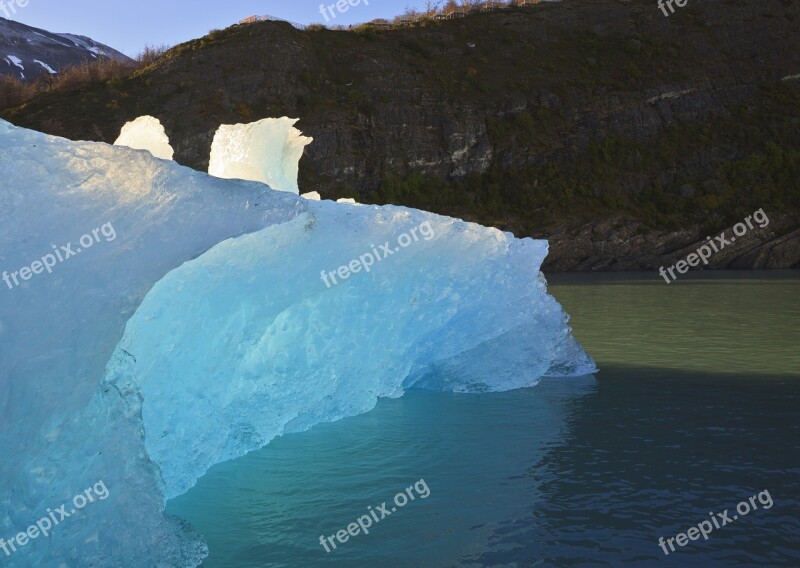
(146, 133)
(267, 151)
(185, 320)
(312, 195)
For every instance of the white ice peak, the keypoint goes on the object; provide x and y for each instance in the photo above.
(146, 133)
(267, 151)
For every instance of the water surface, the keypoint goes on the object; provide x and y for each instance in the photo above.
(694, 410)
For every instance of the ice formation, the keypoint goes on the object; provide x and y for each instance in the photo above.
(203, 330)
(146, 133)
(268, 151)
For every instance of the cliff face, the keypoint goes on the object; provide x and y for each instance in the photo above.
(589, 122)
(620, 244)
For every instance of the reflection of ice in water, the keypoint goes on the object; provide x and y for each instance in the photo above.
(476, 452)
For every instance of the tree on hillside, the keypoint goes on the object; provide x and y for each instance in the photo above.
(410, 13)
(431, 8)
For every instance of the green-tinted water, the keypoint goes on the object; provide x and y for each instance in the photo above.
(696, 407)
(720, 322)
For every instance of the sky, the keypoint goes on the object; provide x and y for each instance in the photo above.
(129, 26)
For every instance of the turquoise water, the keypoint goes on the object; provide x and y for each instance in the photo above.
(695, 409)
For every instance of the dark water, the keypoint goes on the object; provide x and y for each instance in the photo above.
(695, 409)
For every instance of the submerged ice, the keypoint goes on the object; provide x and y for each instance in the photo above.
(204, 330)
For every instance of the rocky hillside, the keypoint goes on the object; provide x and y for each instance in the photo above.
(622, 135)
(27, 52)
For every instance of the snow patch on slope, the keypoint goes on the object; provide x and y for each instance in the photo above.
(46, 66)
(16, 61)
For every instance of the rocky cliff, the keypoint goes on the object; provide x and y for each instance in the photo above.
(622, 135)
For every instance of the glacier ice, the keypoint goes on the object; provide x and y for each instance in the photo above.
(146, 133)
(204, 330)
(268, 151)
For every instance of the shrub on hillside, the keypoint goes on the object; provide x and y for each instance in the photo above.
(14, 92)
